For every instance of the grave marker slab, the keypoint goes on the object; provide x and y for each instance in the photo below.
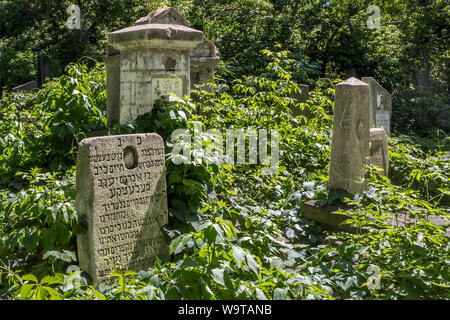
(121, 194)
(379, 150)
(380, 105)
(350, 140)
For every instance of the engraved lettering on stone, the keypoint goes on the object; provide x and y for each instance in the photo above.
(129, 204)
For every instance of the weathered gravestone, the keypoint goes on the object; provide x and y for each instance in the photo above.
(353, 145)
(379, 150)
(303, 95)
(152, 60)
(44, 70)
(380, 105)
(121, 194)
(44, 74)
(350, 140)
(204, 57)
(300, 97)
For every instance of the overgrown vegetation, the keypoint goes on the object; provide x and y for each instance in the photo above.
(235, 233)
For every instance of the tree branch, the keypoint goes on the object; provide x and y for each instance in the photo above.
(233, 8)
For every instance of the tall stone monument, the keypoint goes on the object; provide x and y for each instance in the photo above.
(350, 140)
(121, 194)
(380, 105)
(152, 60)
(204, 57)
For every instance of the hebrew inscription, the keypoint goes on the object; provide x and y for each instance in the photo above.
(121, 193)
(162, 87)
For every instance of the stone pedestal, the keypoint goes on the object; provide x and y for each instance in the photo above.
(204, 58)
(350, 140)
(153, 61)
(160, 55)
(327, 216)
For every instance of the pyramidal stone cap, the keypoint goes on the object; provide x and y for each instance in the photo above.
(353, 82)
(165, 15)
(161, 36)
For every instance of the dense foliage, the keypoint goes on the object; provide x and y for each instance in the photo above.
(234, 232)
(327, 39)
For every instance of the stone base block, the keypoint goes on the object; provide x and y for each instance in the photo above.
(327, 216)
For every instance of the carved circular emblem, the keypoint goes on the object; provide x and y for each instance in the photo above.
(130, 157)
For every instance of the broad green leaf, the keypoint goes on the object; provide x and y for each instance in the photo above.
(25, 290)
(54, 295)
(280, 294)
(30, 239)
(49, 280)
(30, 277)
(253, 264)
(238, 255)
(218, 276)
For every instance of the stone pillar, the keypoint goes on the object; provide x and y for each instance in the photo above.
(350, 141)
(380, 105)
(154, 62)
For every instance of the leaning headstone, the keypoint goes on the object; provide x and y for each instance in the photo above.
(121, 194)
(44, 70)
(379, 150)
(350, 140)
(380, 105)
(148, 62)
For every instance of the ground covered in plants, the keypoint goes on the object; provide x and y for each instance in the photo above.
(234, 233)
